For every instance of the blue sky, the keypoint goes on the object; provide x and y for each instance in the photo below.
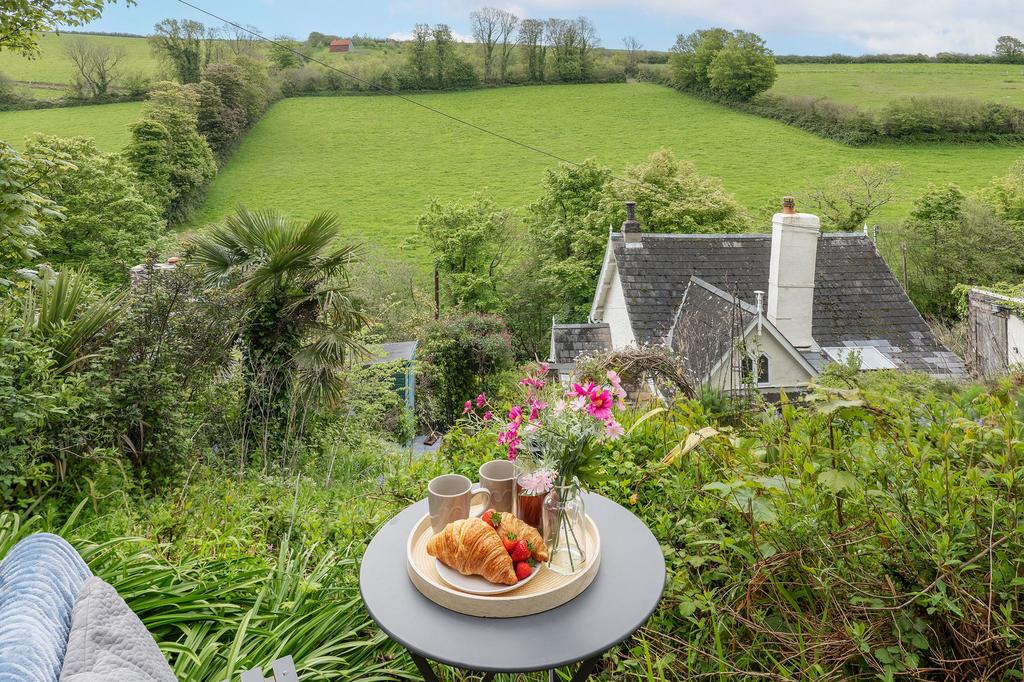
(789, 26)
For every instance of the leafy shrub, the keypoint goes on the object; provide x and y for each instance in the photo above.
(167, 152)
(109, 226)
(459, 357)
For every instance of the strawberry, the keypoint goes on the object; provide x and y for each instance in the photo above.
(521, 551)
(523, 570)
(510, 542)
(492, 517)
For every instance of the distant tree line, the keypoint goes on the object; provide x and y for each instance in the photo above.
(1008, 50)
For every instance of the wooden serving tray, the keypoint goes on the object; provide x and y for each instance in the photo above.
(546, 591)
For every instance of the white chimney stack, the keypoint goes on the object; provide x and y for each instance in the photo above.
(791, 274)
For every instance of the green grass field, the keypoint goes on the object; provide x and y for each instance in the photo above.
(378, 161)
(106, 123)
(53, 65)
(871, 86)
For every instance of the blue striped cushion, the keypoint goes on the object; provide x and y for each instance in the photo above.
(39, 580)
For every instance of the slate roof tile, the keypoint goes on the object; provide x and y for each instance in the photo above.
(856, 296)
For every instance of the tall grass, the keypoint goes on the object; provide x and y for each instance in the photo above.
(215, 618)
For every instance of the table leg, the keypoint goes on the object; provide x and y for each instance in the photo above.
(424, 667)
(585, 669)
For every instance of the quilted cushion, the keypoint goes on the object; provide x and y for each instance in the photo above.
(39, 580)
(109, 642)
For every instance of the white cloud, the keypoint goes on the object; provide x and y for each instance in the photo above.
(874, 25)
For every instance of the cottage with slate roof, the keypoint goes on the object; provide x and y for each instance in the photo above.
(770, 310)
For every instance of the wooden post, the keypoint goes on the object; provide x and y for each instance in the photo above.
(906, 284)
(437, 296)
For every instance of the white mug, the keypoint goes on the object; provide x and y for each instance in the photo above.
(450, 497)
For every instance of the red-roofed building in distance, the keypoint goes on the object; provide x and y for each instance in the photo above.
(341, 45)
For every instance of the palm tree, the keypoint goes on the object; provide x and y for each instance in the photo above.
(300, 322)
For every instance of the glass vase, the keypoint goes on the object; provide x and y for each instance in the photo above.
(564, 517)
(526, 506)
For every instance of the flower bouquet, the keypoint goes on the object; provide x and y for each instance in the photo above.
(554, 436)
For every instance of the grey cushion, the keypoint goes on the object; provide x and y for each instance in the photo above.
(39, 580)
(109, 643)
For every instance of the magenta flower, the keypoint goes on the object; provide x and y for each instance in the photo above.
(515, 415)
(584, 391)
(535, 407)
(467, 407)
(600, 406)
(480, 400)
(487, 416)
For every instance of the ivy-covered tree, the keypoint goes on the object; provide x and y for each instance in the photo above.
(185, 45)
(170, 156)
(460, 357)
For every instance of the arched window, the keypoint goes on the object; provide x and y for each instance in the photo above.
(756, 370)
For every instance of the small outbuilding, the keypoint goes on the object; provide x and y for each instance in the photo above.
(341, 45)
(995, 332)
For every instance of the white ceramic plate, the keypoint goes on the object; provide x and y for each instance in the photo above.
(475, 584)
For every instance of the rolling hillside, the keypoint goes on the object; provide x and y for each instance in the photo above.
(872, 86)
(378, 161)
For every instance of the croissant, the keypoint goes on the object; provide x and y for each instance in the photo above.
(510, 523)
(471, 547)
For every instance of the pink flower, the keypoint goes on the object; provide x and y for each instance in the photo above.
(515, 415)
(480, 400)
(560, 407)
(600, 406)
(535, 407)
(467, 407)
(513, 448)
(578, 404)
(617, 389)
(582, 391)
(613, 430)
(538, 482)
(487, 416)
(544, 367)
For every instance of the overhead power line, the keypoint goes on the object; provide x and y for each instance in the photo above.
(381, 88)
(394, 93)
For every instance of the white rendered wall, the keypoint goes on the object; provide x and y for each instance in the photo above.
(616, 315)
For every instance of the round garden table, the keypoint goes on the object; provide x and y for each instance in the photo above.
(622, 597)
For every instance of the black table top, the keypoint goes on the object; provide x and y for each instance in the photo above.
(626, 591)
